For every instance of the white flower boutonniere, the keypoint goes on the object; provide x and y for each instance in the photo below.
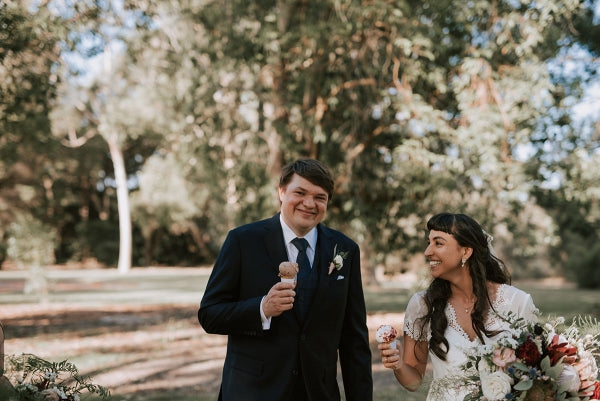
(338, 260)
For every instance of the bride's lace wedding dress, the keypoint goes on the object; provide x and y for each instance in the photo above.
(508, 299)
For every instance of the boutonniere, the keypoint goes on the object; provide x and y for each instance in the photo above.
(338, 260)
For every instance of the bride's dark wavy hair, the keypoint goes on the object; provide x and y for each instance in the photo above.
(483, 267)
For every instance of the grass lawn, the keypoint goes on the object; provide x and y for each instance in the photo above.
(138, 334)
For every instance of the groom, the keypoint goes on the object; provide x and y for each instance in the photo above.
(284, 339)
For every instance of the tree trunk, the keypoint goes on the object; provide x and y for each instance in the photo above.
(367, 265)
(123, 205)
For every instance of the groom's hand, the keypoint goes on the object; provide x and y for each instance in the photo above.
(279, 299)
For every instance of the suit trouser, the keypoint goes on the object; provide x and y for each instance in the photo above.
(298, 392)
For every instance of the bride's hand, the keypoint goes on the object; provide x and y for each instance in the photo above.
(390, 357)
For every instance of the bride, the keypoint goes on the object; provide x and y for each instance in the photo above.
(466, 305)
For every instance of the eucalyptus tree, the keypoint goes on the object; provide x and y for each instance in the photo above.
(215, 164)
(108, 102)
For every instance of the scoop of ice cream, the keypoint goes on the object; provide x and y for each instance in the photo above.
(385, 334)
(288, 269)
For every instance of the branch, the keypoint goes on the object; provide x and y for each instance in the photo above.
(74, 141)
(401, 85)
(352, 84)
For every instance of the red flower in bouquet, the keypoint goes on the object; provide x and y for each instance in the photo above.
(557, 350)
(529, 353)
(596, 395)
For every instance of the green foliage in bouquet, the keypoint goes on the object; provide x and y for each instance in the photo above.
(33, 378)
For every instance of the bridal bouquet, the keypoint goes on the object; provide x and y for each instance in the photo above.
(33, 378)
(534, 362)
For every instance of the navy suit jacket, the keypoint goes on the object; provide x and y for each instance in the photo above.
(263, 365)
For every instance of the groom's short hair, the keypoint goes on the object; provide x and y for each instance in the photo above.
(310, 169)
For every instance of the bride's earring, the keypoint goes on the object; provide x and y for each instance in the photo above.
(463, 260)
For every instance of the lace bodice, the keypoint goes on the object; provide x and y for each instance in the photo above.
(508, 298)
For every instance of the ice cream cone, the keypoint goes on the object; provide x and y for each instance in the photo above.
(386, 334)
(288, 272)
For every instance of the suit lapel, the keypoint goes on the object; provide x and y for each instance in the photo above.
(274, 242)
(326, 244)
(324, 252)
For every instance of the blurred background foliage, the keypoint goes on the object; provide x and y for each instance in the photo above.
(168, 122)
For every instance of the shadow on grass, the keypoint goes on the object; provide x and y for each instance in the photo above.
(139, 336)
(89, 322)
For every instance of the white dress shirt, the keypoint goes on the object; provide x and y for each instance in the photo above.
(292, 251)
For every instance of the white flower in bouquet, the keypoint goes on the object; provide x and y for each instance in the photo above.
(496, 385)
(509, 341)
(569, 379)
(34, 378)
(483, 367)
(586, 366)
(486, 349)
(588, 372)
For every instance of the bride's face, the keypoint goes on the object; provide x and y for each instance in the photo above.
(444, 254)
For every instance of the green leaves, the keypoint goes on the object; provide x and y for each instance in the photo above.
(551, 371)
(524, 385)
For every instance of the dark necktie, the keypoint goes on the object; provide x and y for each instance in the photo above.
(304, 289)
(302, 259)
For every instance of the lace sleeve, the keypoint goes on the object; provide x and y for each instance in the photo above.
(527, 309)
(518, 301)
(413, 325)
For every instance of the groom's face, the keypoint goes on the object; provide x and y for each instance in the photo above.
(303, 204)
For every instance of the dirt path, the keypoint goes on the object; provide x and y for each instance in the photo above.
(139, 351)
